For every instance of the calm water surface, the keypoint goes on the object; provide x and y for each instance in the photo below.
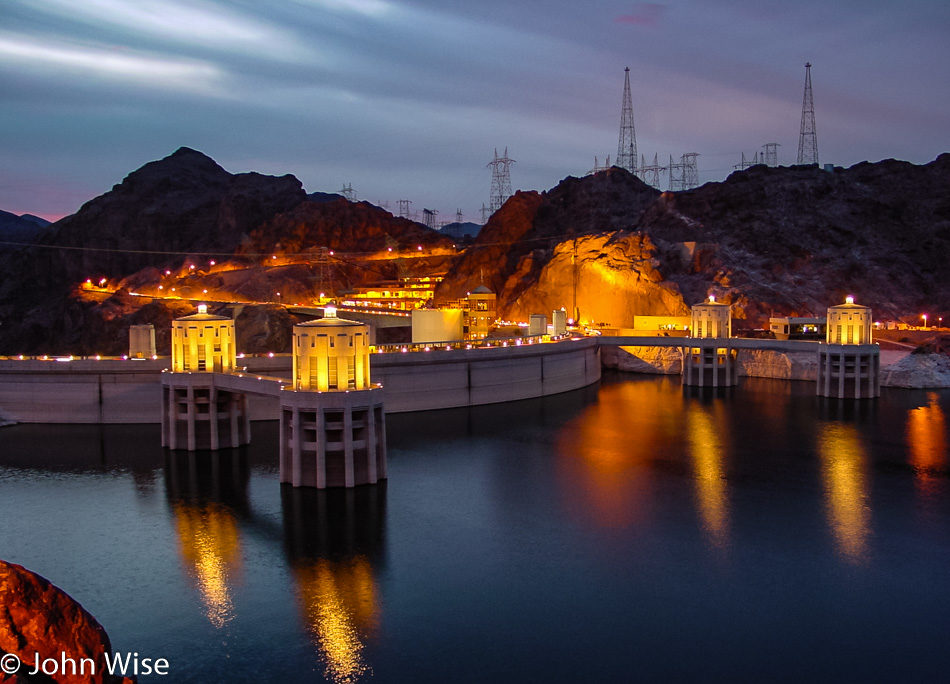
(630, 533)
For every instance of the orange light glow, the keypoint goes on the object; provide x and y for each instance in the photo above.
(927, 443)
(844, 466)
(211, 550)
(340, 608)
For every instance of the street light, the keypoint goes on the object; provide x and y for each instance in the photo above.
(924, 316)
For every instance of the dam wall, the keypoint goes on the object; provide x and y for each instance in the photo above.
(129, 391)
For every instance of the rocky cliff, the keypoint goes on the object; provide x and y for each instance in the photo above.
(782, 241)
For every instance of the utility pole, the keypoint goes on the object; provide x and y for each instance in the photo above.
(808, 138)
(627, 144)
(500, 180)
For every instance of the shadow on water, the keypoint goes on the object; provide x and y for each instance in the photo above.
(545, 413)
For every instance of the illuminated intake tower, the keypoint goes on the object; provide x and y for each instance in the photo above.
(332, 426)
(709, 360)
(849, 364)
(197, 413)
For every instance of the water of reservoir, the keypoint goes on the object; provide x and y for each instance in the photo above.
(631, 532)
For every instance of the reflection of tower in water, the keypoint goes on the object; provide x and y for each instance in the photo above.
(926, 436)
(207, 492)
(334, 541)
(844, 472)
(707, 439)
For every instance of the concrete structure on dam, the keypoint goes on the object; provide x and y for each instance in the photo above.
(129, 391)
(849, 365)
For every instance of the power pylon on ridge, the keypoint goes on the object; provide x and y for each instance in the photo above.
(500, 180)
(597, 167)
(808, 138)
(485, 214)
(348, 192)
(650, 173)
(458, 215)
(770, 154)
(404, 208)
(429, 217)
(627, 144)
(684, 174)
(746, 163)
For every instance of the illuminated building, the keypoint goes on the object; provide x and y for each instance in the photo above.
(537, 324)
(141, 341)
(332, 427)
(436, 325)
(559, 321)
(203, 342)
(331, 353)
(196, 414)
(797, 327)
(849, 364)
(404, 294)
(479, 311)
(710, 361)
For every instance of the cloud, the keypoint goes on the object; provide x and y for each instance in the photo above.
(124, 65)
(644, 14)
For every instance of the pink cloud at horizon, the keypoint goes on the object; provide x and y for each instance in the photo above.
(644, 14)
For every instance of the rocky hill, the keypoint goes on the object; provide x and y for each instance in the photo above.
(788, 240)
(180, 210)
(20, 228)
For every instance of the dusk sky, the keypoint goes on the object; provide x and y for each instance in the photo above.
(409, 99)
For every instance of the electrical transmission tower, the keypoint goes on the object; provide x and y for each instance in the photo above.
(324, 275)
(746, 163)
(627, 144)
(597, 167)
(348, 192)
(500, 180)
(770, 154)
(684, 174)
(458, 215)
(485, 214)
(808, 138)
(404, 208)
(650, 173)
(429, 217)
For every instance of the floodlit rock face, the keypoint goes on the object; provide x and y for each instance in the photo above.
(771, 241)
(617, 277)
(930, 370)
(774, 364)
(653, 360)
(37, 617)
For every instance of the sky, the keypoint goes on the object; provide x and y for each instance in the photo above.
(408, 100)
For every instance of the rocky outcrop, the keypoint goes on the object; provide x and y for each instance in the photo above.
(37, 617)
(651, 360)
(931, 370)
(340, 225)
(775, 364)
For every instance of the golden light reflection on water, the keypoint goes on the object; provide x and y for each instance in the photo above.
(605, 454)
(707, 448)
(339, 605)
(927, 443)
(210, 546)
(843, 467)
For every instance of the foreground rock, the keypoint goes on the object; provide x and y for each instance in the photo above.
(37, 617)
